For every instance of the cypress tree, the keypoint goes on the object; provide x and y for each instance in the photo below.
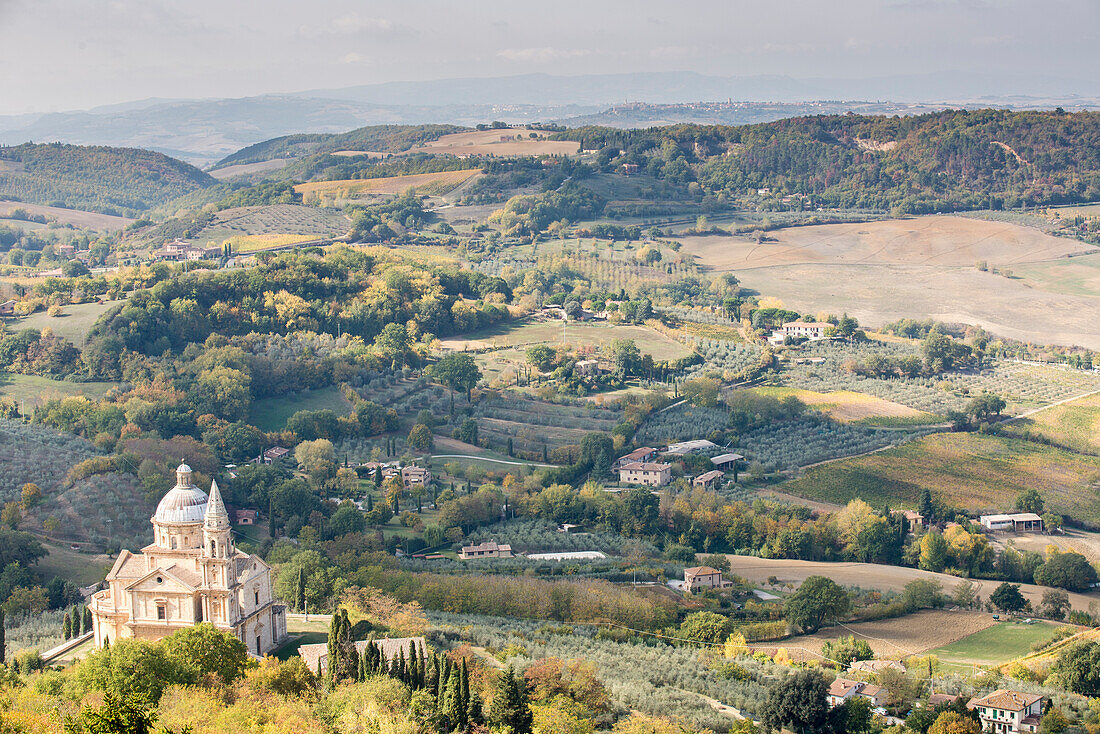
(354, 665)
(431, 682)
(88, 619)
(334, 629)
(475, 709)
(452, 703)
(463, 690)
(370, 502)
(300, 590)
(4, 643)
(77, 619)
(67, 627)
(510, 708)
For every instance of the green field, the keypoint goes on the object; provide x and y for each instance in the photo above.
(271, 414)
(36, 390)
(997, 644)
(971, 471)
(576, 334)
(1075, 425)
(80, 568)
(77, 320)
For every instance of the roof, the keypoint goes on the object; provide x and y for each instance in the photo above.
(725, 458)
(707, 476)
(1006, 700)
(184, 503)
(807, 324)
(937, 698)
(636, 455)
(317, 653)
(843, 686)
(489, 545)
(276, 452)
(686, 447)
(874, 666)
(645, 466)
(700, 571)
(1015, 517)
(871, 690)
(127, 566)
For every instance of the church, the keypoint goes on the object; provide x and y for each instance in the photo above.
(191, 573)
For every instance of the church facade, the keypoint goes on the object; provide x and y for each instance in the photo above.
(190, 573)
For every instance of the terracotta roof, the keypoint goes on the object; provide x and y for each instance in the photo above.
(645, 466)
(842, 686)
(636, 455)
(127, 566)
(1006, 700)
(871, 691)
(700, 571)
(707, 476)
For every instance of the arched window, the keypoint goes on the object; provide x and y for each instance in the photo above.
(214, 548)
(173, 542)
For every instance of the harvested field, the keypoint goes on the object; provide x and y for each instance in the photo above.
(429, 183)
(283, 220)
(75, 217)
(932, 240)
(1075, 425)
(899, 637)
(553, 333)
(846, 406)
(875, 576)
(248, 169)
(971, 471)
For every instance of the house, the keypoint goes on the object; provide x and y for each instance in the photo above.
(1025, 522)
(806, 329)
(708, 480)
(643, 454)
(315, 655)
(683, 448)
(1008, 712)
(246, 517)
(842, 689)
(651, 474)
(180, 250)
(629, 169)
(586, 368)
(274, 454)
(725, 462)
(915, 519)
(488, 549)
(415, 476)
(874, 667)
(704, 577)
(7, 308)
(938, 699)
(191, 573)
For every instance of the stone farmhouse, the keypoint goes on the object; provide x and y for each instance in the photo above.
(1008, 712)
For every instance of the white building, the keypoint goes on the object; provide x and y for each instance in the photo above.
(650, 474)
(191, 573)
(1020, 522)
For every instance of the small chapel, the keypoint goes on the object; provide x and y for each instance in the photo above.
(190, 573)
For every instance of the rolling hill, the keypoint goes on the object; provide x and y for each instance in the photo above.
(96, 178)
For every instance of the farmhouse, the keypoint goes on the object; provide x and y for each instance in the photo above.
(704, 577)
(191, 573)
(315, 655)
(1020, 522)
(725, 462)
(488, 549)
(651, 474)
(806, 329)
(643, 454)
(415, 476)
(842, 689)
(708, 480)
(586, 368)
(180, 250)
(274, 454)
(7, 308)
(1008, 712)
(683, 448)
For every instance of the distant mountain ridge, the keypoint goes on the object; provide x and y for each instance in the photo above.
(203, 131)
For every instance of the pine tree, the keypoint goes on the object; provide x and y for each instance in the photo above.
(510, 708)
(67, 627)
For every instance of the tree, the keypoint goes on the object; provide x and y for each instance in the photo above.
(510, 708)
(626, 356)
(1055, 604)
(129, 665)
(347, 519)
(851, 717)
(31, 495)
(467, 431)
(846, 650)
(3, 641)
(1078, 667)
(1053, 722)
(1007, 597)
(1070, 571)
(420, 438)
(952, 722)
(541, 357)
(701, 392)
(300, 590)
(985, 406)
(458, 371)
(393, 344)
(597, 450)
(965, 593)
(128, 713)
(317, 459)
(207, 650)
(706, 627)
(933, 551)
(797, 702)
(816, 601)
(67, 627)
(1030, 500)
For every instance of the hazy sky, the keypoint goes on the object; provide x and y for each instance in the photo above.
(74, 54)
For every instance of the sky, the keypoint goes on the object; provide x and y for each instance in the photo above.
(74, 54)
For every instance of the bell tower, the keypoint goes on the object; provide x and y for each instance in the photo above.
(215, 527)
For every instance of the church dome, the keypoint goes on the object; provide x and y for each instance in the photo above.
(184, 503)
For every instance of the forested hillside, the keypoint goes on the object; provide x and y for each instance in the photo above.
(109, 180)
(945, 161)
(377, 138)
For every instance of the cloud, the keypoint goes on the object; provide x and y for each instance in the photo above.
(545, 53)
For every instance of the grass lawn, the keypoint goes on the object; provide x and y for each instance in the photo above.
(77, 320)
(37, 390)
(271, 414)
(972, 471)
(997, 644)
(80, 568)
(290, 649)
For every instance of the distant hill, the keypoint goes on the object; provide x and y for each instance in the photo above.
(376, 138)
(96, 178)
